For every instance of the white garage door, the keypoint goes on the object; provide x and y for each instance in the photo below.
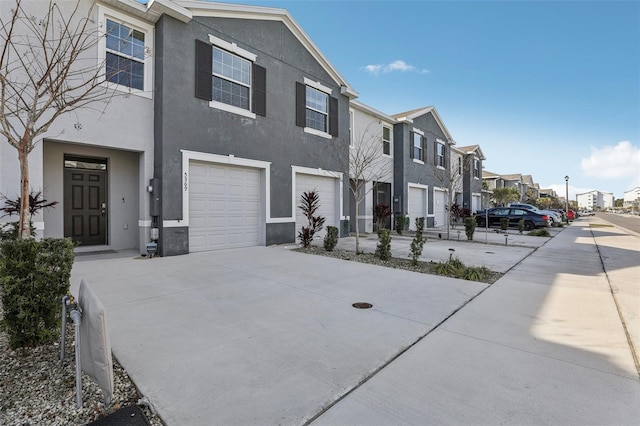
(224, 207)
(417, 205)
(326, 189)
(440, 208)
(476, 203)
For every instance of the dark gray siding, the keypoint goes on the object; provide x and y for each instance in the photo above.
(406, 170)
(186, 122)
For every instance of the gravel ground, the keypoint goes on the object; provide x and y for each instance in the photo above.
(37, 389)
(394, 262)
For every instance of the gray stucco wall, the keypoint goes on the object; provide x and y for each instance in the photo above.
(406, 170)
(186, 122)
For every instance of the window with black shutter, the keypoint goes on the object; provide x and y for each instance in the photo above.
(417, 146)
(316, 110)
(229, 79)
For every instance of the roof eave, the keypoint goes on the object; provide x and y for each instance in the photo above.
(228, 10)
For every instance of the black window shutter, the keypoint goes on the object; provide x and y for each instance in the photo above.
(423, 143)
(259, 90)
(204, 63)
(411, 146)
(333, 117)
(301, 104)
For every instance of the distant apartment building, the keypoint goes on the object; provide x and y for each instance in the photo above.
(595, 200)
(631, 198)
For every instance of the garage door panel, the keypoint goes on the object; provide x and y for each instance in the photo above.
(224, 207)
(326, 189)
(417, 205)
(440, 204)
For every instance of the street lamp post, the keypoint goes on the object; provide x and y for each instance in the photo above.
(566, 181)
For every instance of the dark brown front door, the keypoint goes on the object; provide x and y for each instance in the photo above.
(382, 196)
(85, 201)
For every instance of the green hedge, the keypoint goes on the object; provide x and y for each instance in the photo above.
(34, 275)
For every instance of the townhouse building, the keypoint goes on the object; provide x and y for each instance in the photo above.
(469, 167)
(222, 115)
(249, 115)
(422, 153)
(371, 158)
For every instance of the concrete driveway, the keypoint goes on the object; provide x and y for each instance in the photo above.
(260, 335)
(266, 336)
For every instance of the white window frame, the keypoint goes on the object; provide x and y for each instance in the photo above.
(351, 124)
(440, 143)
(476, 169)
(326, 90)
(106, 13)
(389, 141)
(418, 160)
(233, 49)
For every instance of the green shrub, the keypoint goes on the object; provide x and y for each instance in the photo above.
(475, 273)
(456, 269)
(447, 269)
(418, 241)
(469, 227)
(9, 230)
(331, 239)
(504, 223)
(34, 275)
(399, 224)
(521, 226)
(542, 232)
(383, 250)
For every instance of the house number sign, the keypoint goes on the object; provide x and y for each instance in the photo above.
(186, 177)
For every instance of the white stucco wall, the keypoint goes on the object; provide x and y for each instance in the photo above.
(119, 128)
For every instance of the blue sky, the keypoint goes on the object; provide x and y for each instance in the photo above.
(546, 88)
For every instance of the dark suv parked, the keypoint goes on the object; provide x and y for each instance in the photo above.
(532, 219)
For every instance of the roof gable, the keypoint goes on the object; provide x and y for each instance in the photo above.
(472, 149)
(413, 114)
(237, 11)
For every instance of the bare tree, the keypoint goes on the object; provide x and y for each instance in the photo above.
(366, 165)
(48, 67)
(450, 179)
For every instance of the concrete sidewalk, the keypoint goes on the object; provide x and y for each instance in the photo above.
(543, 345)
(268, 336)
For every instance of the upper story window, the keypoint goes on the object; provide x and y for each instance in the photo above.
(351, 124)
(476, 169)
(228, 77)
(316, 110)
(231, 79)
(417, 146)
(125, 50)
(439, 159)
(386, 140)
(125, 55)
(460, 166)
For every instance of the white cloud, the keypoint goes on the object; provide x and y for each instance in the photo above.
(373, 69)
(397, 65)
(613, 162)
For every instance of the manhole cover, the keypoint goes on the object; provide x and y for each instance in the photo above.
(362, 305)
(490, 252)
